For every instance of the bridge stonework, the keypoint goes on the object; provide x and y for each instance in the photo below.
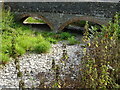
(59, 14)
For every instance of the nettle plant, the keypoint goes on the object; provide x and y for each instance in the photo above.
(101, 57)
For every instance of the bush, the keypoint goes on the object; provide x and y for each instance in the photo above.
(72, 40)
(42, 47)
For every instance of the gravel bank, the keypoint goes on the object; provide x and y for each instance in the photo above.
(32, 65)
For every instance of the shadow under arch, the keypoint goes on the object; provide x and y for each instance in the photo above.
(25, 16)
(83, 18)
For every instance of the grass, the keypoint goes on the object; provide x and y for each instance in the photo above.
(42, 47)
(56, 37)
(20, 39)
(72, 40)
(65, 35)
(51, 40)
(100, 64)
(32, 20)
(4, 58)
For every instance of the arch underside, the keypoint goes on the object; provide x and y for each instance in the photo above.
(59, 27)
(89, 19)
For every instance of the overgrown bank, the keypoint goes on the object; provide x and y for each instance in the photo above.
(21, 39)
(100, 63)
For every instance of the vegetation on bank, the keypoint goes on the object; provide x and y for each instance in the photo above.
(24, 38)
(21, 37)
(101, 60)
(100, 63)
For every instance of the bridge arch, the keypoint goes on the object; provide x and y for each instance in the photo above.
(83, 18)
(25, 16)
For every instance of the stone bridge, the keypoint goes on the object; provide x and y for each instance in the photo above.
(58, 15)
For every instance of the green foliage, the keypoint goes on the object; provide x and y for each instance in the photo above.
(4, 58)
(51, 40)
(25, 42)
(42, 47)
(65, 35)
(57, 36)
(47, 34)
(20, 50)
(18, 39)
(7, 19)
(32, 20)
(72, 40)
(101, 57)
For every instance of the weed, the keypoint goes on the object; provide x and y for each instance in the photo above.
(99, 55)
(42, 47)
(72, 40)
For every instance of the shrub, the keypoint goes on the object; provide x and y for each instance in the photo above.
(72, 40)
(42, 47)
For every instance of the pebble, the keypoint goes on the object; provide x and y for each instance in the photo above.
(33, 64)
